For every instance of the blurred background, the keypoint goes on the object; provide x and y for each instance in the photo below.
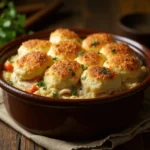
(100, 15)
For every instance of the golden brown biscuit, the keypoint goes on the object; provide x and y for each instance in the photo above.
(32, 65)
(63, 35)
(128, 66)
(94, 42)
(98, 80)
(113, 49)
(91, 58)
(65, 50)
(33, 45)
(63, 74)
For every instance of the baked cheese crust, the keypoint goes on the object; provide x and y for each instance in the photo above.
(67, 67)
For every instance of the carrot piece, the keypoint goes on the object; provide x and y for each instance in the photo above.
(8, 66)
(31, 88)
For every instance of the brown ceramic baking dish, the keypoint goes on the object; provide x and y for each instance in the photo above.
(76, 118)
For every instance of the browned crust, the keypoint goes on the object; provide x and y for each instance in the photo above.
(67, 49)
(90, 58)
(126, 62)
(98, 73)
(33, 60)
(66, 33)
(120, 48)
(36, 43)
(101, 38)
(64, 68)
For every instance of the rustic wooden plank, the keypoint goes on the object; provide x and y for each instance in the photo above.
(27, 144)
(9, 138)
(101, 15)
(143, 6)
(18, 141)
(132, 6)
(126, 6)
(12, 140)
(29, 8)
(37, 147)
(34, 18)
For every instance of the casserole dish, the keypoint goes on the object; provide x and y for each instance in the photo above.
(73, 118)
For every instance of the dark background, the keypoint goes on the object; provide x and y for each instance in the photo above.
(86, 14)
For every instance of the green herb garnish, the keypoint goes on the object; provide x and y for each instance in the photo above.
(54, 95)
(45, 88)
(41, 84)
(79, 40)
(81, 53)
(11, 24)
(95, 43)
(83, 67)
(113, 51)
(74, 92)
(69, 68)
(98, 53)
(55, 58)
(10, 82)
(9, 59)
(83, 78)
(30, 32)
(104, 71)
(73, 74)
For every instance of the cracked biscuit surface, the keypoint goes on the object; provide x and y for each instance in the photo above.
(33, 45)
(94, 42)
(99, 80)
(113, 49)
(32, 65)
(62, 34)
(91, 58)
(65, 50)
(128, 66)
(63, 74)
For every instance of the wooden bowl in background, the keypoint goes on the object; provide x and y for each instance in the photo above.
(136, 26)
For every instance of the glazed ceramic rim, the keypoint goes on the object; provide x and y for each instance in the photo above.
(129, 29)
(52, 101)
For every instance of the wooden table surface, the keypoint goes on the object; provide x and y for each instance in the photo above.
(90, 14)
(12, 140)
